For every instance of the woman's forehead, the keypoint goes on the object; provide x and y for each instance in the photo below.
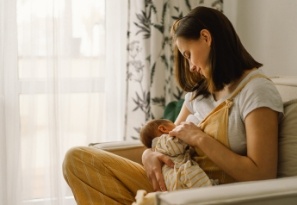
(181, 43)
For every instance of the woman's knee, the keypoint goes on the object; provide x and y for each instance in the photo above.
(74, 158)
(70, 156)
(79, 156)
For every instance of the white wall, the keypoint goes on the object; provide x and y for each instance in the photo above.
(268, 30)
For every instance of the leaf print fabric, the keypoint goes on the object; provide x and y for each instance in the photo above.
(150, 79)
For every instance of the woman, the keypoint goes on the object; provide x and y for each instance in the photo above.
(238, 108)
(211, 63)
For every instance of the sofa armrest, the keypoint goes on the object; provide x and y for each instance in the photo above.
(267, 192)
(129, 149)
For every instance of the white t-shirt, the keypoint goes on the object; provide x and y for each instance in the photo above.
(259, 92)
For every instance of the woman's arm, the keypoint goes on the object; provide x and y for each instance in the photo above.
(262, 146)
(183, 114)
(153, 162)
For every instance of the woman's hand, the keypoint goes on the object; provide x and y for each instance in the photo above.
(188, 132)
(153, 162)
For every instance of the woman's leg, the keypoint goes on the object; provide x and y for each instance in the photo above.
(99, 177)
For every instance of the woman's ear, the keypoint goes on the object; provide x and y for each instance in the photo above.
(206, 36)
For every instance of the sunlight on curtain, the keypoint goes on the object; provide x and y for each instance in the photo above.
(62, 86)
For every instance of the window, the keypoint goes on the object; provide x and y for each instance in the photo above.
(65, 73)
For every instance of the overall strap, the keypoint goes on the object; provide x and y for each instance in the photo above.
(238, 89)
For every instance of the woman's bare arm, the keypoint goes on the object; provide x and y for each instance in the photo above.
(183, 114)
(262, 146)
(153, 162)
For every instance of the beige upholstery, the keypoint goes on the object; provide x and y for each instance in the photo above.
(288, 141)
(277, 191)
(132, 150)
(282, 191)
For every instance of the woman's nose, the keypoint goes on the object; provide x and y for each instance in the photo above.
(192, 67)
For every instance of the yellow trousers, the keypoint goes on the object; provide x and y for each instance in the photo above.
(99, 177)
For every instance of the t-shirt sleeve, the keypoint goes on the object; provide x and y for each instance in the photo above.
(259, 93)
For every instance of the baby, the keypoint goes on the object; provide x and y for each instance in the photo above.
(186, 172)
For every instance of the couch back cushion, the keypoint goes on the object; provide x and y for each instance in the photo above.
(287, 165)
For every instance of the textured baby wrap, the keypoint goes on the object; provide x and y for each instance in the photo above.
(186, 172)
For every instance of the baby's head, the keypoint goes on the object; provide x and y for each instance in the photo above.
(155, 128)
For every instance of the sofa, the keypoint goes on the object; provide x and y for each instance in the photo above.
(282, 190)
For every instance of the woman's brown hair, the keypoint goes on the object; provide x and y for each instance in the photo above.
(228, 57)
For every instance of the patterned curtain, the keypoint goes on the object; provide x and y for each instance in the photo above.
(150, 80)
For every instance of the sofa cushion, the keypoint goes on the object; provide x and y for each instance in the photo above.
(287, 165)
(129, 149)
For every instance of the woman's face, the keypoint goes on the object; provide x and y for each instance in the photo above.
(196, 52)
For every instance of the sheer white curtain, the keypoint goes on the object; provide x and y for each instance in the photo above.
(62, 66)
